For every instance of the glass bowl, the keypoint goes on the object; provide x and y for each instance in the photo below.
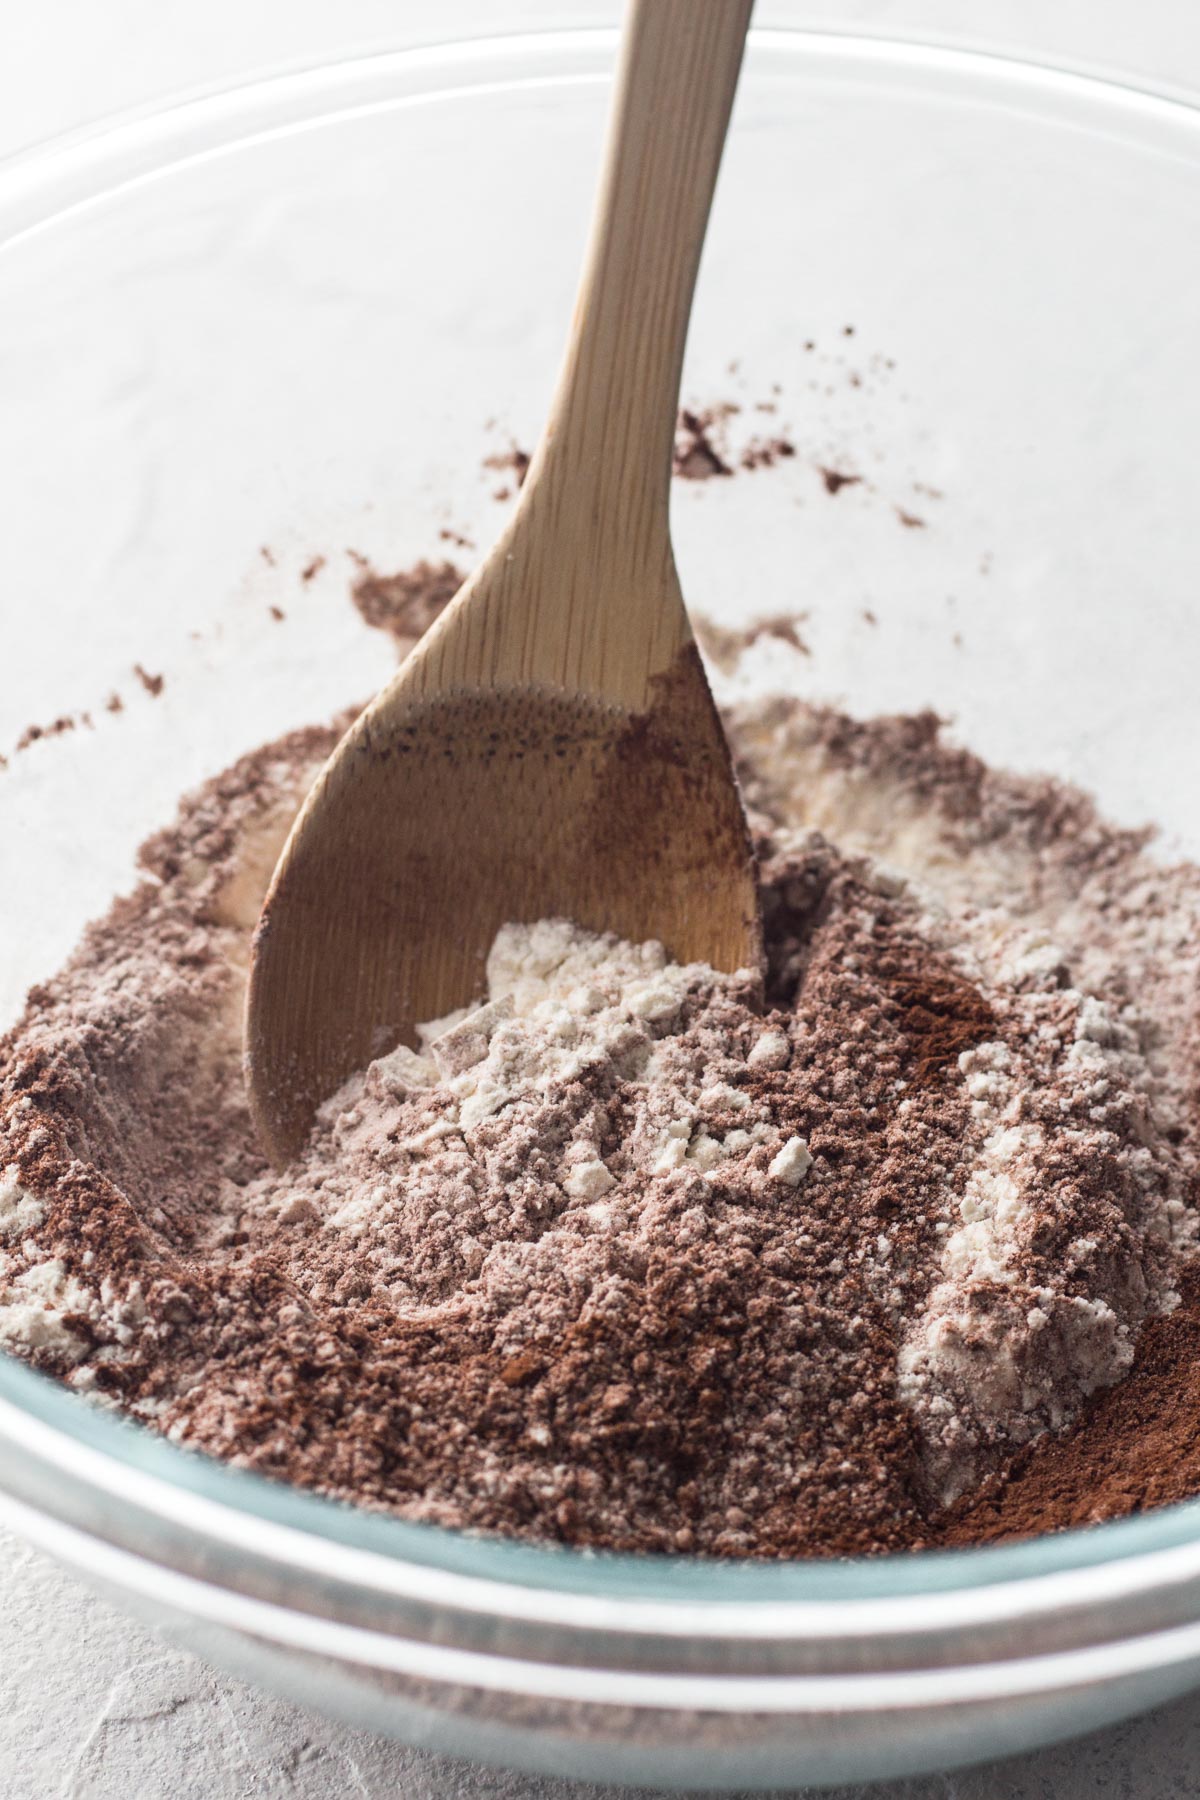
(292, 321)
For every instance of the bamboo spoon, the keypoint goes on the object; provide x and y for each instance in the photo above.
(550, 747)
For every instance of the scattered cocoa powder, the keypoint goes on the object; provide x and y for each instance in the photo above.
(836, 479)
(700, 452)
(515, 462)
(56, 728)
(703, 448)
(153, 684)
(312, 569)
(405, 604)
(725, 646)
(696, 456)
(764, 453)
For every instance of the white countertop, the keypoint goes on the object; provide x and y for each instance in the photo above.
(94, 1707)
(91, 1704)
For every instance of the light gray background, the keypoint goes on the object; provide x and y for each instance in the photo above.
(92, 1705)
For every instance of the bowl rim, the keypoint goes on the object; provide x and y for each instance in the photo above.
(44, 183)
(40, 1420)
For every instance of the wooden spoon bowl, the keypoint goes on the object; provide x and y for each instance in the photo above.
(550, 747)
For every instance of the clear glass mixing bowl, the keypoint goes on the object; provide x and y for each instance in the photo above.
(289, 321)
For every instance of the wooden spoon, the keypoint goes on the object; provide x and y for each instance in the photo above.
(550, 747)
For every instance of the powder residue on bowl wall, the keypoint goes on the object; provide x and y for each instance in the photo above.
(513, 463)
(406, 603)
(724, 645)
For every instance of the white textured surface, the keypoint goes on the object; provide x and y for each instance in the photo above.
(93, 1706)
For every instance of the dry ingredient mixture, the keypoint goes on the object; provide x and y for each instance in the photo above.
(623, 1257)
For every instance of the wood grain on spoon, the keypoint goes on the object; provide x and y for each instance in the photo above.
(550, 748)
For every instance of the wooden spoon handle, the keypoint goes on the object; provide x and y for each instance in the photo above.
(612, 422)
(580, 591)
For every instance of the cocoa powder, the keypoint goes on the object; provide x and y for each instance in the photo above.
(701, 449)
(724, 646)
(836, 479)
(1136, 1446)
(696, 457)
(529, 1321)
(513, 462)
(405, 604)
(728, 1385)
